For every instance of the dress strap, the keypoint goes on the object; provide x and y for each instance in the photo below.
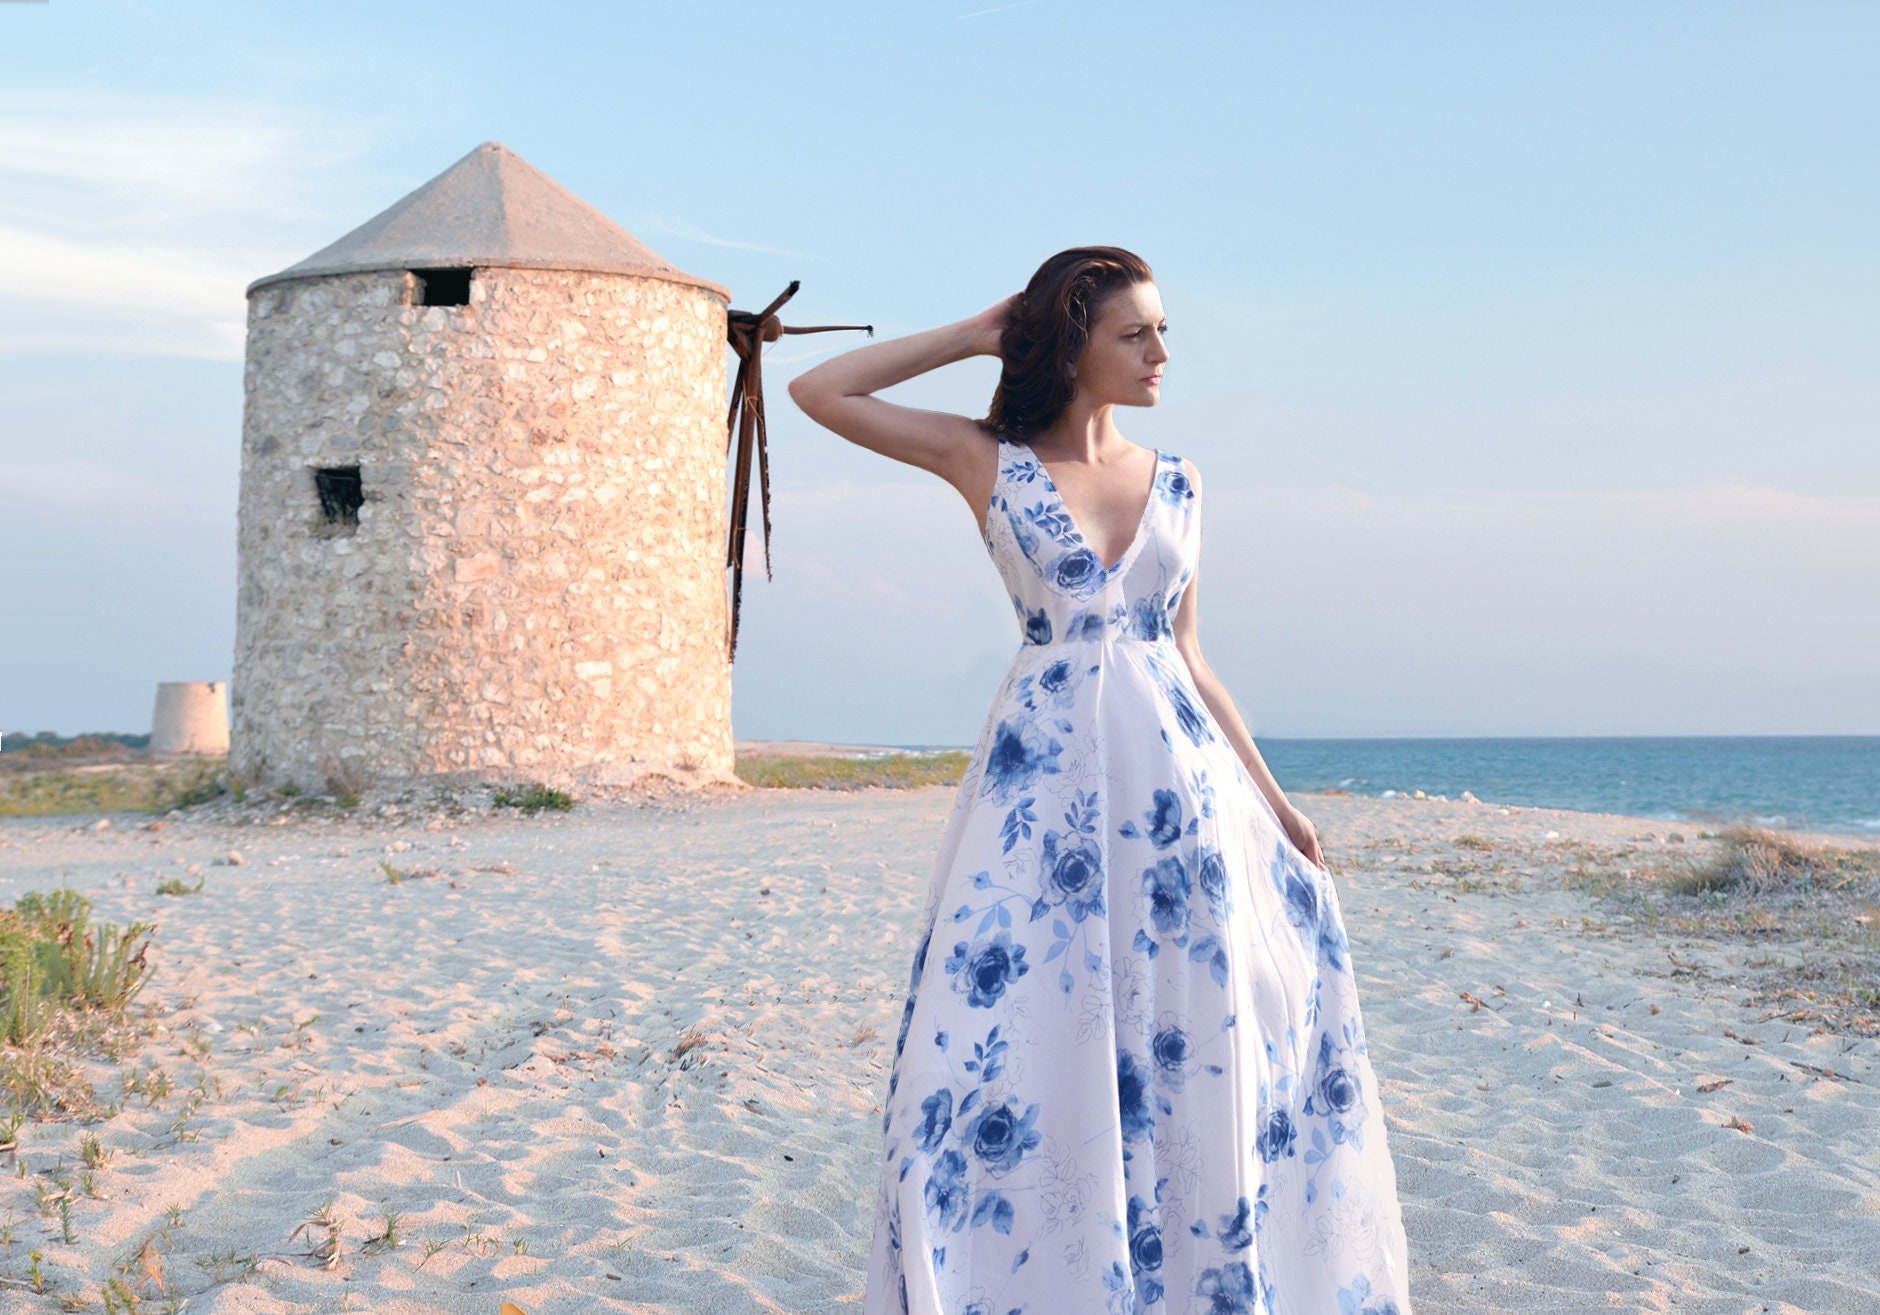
(1008, 459)
(1002, 457)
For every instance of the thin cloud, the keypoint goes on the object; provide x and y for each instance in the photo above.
(653, 221)
(997, 9)
(132, 224)
(42, 266)
(164, 160)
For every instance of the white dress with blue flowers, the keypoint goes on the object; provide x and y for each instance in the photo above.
(1131, 1074)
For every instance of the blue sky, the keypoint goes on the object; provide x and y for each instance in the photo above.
(1527, 350)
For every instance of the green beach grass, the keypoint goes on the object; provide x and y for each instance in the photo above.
(112, 787)
(894, 771)
(52, 788)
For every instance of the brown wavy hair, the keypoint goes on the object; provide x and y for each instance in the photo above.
(1045, 332)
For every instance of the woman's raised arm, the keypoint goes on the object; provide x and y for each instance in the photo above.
(839, 395)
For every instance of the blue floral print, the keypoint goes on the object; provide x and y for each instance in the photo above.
(1277, 1135)
(1132, 1098)
(936, 1118)
(1211, 876)
(1227, 1290)
(984, 969)
(1337, 1096)
(1172, 486)
(1306, 909)
(946, 1192)
(1162, 821)
(1166, 885)
(1057, 681)
(1134, 1078)
(1187, 716)
(1149, 619)
(1001, 1136)
(1145, 1253)
(1076, 569)
(1354, 1300)
(1038, 627)
(1073, 866)
(1021, 752)
(1235, 1233)
(1172, 1048)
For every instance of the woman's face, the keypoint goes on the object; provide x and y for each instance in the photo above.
(1122, 360)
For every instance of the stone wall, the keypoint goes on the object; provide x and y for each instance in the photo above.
(534, 587)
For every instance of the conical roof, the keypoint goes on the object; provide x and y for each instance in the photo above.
(491, 208)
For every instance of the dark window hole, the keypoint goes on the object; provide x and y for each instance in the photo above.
(443, 287)
(341, 494)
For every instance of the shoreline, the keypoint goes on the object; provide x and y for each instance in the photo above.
(121, 780)
(1688, 818)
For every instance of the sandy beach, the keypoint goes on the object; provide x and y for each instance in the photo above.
(630, 1058)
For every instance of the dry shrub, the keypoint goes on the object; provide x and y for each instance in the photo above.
(1753, 861)
(690, 1039)
(41, 1081)
(345, 781)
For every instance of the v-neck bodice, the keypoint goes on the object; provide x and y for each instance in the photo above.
(1059, 586)
(1142, 520)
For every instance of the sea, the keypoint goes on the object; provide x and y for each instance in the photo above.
(1809, 782)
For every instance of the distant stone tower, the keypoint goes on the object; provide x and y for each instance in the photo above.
(483, 499)
(191, 718)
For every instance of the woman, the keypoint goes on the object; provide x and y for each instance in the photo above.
(1131, 1074)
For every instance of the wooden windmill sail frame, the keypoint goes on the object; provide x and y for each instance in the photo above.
(745, 427)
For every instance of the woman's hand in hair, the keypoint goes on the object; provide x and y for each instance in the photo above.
(990, 323)
(840, 396)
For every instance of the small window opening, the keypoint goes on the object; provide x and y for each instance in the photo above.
(443, 287)
(341, 494)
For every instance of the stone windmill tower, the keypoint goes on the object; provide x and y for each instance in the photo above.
(482, 512)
